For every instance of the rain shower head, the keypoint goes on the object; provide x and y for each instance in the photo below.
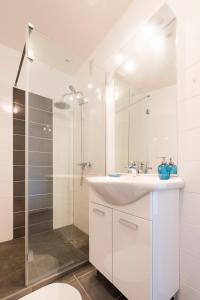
(62, 105)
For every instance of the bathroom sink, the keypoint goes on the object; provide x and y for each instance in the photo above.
(128, 189)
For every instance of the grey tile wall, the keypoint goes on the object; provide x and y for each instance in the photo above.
(40, 163)
(18, 163)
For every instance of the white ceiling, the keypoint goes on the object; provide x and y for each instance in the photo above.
(78, 25)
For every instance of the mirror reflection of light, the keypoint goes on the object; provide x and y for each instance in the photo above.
(148, 32)
(129, 66)
(158, 43)
(119, 59)
(90, 86)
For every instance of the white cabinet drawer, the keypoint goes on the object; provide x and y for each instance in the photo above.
(132, 256)
(100, 234)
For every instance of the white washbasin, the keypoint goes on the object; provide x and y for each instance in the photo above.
(127, 188)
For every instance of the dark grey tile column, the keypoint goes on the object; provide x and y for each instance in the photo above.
(40, 150)
(40, 164)
(18, 163)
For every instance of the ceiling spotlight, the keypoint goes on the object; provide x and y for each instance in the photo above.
(129, 66)
(90, 86)
(98, 91)
(119, 59)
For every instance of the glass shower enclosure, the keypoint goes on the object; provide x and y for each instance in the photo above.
(54, 119)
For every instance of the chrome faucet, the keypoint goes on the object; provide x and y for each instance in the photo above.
(133, 165)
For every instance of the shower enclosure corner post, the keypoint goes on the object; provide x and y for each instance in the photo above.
(29, 29)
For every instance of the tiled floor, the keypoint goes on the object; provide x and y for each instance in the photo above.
(92, 286)
(53, 252)
(56, 251)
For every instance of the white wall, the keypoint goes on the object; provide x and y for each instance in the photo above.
(9, 60)
(188, 67)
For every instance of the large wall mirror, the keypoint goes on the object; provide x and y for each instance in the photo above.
(146, 96)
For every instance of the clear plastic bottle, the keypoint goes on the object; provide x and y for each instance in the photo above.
(172, 166)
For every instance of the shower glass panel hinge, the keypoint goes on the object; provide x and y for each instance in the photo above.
(30, 54)
(30, 26)
(30, 256)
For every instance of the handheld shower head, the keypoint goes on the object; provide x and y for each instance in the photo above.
(72, 89)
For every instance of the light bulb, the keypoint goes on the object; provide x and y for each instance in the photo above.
(71, 98)
(90, 86)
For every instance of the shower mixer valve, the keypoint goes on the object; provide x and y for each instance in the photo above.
(83, 165)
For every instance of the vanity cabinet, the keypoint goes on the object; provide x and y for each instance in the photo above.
(132, 255)
(101, 238)
(136, 246)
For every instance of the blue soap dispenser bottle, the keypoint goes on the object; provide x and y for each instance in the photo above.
(172, 166)
(164, 170)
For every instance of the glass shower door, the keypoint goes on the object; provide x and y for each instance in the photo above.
(54, 243)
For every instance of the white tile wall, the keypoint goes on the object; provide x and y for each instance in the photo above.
(189, 147)
(8, 63)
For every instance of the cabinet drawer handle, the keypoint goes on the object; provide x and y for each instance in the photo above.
(128, 223)
(99, 212)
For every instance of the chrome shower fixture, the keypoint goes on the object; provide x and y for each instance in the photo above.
(72, 89)
(148, 111)
(62, 104)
